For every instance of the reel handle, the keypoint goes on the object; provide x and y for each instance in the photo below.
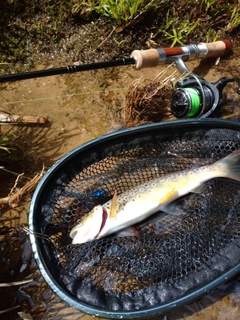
(152, 57)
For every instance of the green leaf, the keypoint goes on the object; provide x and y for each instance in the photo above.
(7, 138)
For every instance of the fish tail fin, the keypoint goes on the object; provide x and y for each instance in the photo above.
(232, 165)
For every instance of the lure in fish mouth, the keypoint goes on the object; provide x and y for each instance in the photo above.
(142, 201)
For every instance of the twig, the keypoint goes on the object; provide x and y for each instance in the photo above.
(9, 171)
(9, 309)
(15, 283)
(15, 119)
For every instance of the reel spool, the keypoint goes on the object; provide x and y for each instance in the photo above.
(196, 97)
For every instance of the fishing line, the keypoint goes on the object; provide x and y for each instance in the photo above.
(88, 92)
(60, 96)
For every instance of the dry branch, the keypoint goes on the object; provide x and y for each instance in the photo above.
(16, 194)
(15, 119)
(15, 283)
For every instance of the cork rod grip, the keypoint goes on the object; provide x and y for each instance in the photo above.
(145, 58)
(218, 48)
(152, 57)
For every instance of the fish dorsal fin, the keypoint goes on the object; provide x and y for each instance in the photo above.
(169, 197)
(113, 208)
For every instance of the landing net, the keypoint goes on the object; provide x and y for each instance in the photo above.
(172, 259)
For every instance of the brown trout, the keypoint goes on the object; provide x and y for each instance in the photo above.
(140, 202)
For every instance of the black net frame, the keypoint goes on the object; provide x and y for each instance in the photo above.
(172, 260)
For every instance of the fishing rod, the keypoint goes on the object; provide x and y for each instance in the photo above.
(139, 59)
(193, 96)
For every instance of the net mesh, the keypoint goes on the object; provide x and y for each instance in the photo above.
(170, 255)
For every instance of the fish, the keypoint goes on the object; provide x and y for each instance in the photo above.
(140, 202)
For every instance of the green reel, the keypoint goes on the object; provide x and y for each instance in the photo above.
(194, 97)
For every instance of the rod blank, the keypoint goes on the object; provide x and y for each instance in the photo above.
(66, 70)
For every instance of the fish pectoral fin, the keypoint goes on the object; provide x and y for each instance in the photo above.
(113, 208)
(199, 189)
(174, 208)
(127, 232)
(169, 197)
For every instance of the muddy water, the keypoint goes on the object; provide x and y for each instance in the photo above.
(80, 107)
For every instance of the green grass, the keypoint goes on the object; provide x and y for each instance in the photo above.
(206, 4)
(121, 11)
(177, 30)
(5, 140)
(204, 20)
(168, 22)
(234, 19)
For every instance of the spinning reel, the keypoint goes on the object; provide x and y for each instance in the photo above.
(195, 97)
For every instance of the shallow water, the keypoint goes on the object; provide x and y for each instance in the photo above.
(81, 107)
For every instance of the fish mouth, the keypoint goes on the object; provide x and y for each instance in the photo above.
(81, 234)
(91, 227)
(73, 232)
